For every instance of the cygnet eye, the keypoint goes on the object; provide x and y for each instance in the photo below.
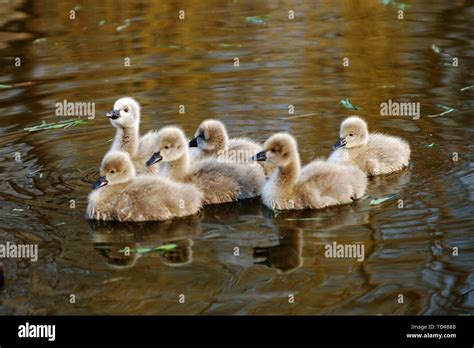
(126, 109)
(167, 147)
(272, 150)
(112, 171)
(351, 135)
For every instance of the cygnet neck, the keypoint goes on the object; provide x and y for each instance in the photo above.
(126, 139)
(179, 168)
(288, 174)
(223, 143)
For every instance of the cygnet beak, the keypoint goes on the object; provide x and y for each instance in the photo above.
(100, 182)
(340, 143)
(261, 156)
(156, 157)
(114, 114)
(193, 142)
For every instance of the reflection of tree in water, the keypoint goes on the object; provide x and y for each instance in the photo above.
(111, 238)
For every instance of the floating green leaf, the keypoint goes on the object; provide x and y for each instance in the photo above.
(102, 22)
(225, 45)
(165, 247)
(61, 124)
(436, 49)
(348, 105)
(299, 116)
(19, 84)
(400, 5)
(125, 25)
(41, 39)
(305, 219)
(431, 145)
(259, 20)
(378, 201)
(34, 173)
(466, 88)
(111, 280)
(446, 109)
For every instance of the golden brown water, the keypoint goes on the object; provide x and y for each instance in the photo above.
(190, 62)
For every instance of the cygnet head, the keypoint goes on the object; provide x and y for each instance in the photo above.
(170, 145)
(280, 150)
(354, 132)
(116, 168)
(211, 135)
(126, 113)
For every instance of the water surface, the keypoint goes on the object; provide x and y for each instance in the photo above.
(283, 62)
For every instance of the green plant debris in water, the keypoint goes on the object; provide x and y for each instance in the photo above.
(436, 49)
(305, 219)
(399, 5)
(466, 88)
(431, 145)
(446, 57)
(259, 20)
(40, 40)
(112, 280)
(446, 109)
(19, 84)
(299, 116)
(35, 173)
(377, 201)
(165, 247)
(348, 105)
(61, 124)
(102, 22)
(125, 25)
(226, 45)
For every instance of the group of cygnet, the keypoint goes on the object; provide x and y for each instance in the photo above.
(161, 175)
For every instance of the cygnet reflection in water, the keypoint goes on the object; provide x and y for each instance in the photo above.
(111, 238)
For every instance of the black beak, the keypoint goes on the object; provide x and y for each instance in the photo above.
(193, 142)
(114, 114)
(100, 182)
(156, 157)
(340, 143)
(261, 156)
